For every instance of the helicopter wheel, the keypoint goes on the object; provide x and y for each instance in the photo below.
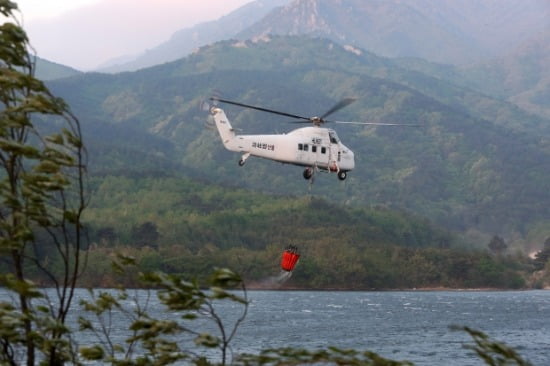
(342, 175)
(241, 162)
(308, 173)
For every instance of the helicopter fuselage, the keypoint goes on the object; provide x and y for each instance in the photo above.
(311, 147)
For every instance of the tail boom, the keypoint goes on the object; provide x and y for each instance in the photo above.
(225, 129)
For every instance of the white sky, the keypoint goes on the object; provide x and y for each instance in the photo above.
(86, 33)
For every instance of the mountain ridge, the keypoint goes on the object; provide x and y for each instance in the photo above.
(471, 32)
(186, 40)
(446, 33)
(48, 70)
(492, 43)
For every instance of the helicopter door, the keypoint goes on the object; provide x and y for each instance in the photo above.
(334, 156)
(323, 155)
(303, 153)
(319, 154)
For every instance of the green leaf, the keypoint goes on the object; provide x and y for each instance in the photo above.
(207, 340)
(93, 353)
(84, 324)
(223, 277)
(47, 167)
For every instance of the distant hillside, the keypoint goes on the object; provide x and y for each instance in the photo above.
(501, 46)
(477, 165)
(522, 76)
(187, 40)
(446, 31)
(47, 70)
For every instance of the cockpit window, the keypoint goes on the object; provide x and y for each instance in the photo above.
(333, 137)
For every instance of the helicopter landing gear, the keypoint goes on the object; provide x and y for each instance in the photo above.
(342, 175)
(243, 159)
(308, 173)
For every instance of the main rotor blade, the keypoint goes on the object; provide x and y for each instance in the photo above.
(376, 123)
(260, 109)
(341, 104)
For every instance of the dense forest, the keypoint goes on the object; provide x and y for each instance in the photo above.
(187, 227)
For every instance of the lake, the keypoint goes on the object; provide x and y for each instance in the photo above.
(399, 325)
(411, 325)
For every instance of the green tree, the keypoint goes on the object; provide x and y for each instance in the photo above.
(497, 245)
(492, 352)
(541, 258)
(42, 200)
(106, 236)
(153, 341)
(146, 234)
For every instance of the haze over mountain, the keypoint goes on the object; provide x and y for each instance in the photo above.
(187, 40)
(86, 33)
(522, 76)
(446, 31)
(501, 45)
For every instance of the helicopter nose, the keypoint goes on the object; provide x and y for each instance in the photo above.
(352, 159)
(348, 159)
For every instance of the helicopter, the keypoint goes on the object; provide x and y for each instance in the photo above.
(314, 147)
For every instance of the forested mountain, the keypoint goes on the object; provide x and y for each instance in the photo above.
(477, 164)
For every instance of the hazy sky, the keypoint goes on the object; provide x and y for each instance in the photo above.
(85, 33)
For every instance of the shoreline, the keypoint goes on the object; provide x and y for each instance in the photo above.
(419, 289)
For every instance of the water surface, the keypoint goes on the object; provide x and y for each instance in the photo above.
(408, 325)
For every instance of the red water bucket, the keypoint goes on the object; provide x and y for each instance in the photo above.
(289, 260)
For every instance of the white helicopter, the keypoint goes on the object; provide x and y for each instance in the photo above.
(316, 148)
